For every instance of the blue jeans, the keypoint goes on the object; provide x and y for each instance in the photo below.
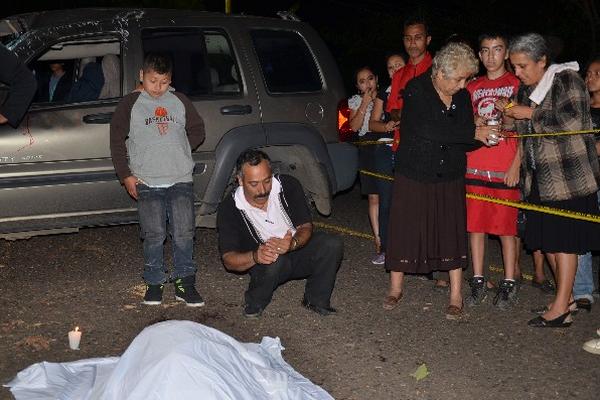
(156, 207)
(584, 278)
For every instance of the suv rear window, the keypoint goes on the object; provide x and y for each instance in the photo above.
(203, 62)
(286, 62)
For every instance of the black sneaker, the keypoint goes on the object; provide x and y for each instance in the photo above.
(252, 312)
(323, 311)
(153, 296)
(186, 291)
(478, 291)
(506, 296)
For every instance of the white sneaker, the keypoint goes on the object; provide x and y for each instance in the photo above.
(592, 346)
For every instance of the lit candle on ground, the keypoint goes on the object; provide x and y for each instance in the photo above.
(74, 338)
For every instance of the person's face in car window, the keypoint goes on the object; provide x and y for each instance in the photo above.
(57, 69)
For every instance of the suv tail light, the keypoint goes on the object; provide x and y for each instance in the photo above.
(345, 133)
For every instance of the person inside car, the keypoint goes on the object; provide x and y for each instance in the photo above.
(56, 85)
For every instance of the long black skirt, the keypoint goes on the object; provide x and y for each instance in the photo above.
(427, 228)
(556, 234)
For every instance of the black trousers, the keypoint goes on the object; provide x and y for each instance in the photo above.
(317, 262)
(384, 164)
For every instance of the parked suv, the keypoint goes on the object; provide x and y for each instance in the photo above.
(257, 82)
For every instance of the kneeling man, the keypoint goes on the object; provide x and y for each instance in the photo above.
(265, 227)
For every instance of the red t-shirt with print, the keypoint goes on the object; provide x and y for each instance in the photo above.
(484, 92)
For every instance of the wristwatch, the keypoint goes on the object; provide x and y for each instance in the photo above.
(294, 244)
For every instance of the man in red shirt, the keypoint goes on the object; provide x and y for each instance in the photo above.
(416, 39)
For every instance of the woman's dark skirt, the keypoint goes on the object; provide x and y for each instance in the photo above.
(428, 228)
(556, 234)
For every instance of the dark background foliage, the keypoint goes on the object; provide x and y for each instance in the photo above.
(361, 32)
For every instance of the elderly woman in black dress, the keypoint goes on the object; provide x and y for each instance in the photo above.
(428, 218)
(559, 171)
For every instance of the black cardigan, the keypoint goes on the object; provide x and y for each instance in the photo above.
(434, 140)
(22, 86)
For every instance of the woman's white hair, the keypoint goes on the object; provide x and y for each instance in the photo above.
(531, 44)
(455, 57)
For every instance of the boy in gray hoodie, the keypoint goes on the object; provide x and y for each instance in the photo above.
(152, 134)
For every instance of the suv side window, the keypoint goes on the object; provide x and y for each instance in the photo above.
(287, 63)
(203, 62)
(78, 71)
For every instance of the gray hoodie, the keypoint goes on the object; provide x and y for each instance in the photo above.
(152, 138)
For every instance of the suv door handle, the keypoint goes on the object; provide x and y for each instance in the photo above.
(236, 109)
(103, 118)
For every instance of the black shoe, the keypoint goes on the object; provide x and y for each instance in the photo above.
(546, 286)
(153, 296)
(558, 322)
(584, 304)
(323, 311)
(252, 312)
(506, 296)
(478, 291)
(186, 291)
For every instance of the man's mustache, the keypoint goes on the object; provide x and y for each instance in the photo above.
(262, 195)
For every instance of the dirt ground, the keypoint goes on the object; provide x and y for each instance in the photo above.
(92, 279)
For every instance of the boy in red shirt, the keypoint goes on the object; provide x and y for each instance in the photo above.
(493, 171)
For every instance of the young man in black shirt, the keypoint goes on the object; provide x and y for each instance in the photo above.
(265, 228)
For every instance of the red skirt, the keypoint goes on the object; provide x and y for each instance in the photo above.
(486, 217)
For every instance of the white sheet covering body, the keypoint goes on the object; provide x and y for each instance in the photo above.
(173, 360)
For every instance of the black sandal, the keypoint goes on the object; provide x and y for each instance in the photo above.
(558, 322)
(584, 304)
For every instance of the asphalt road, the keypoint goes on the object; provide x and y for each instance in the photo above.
(92, 279)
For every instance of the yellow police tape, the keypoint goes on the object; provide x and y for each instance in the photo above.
(350, 232)
(511, 135)
(343, 230)
(566, 133)
(510, 203)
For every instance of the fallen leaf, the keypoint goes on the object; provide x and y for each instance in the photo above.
(129, 307)
(420, 373)
(9, 326)
(35, 343)
(138, 290)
